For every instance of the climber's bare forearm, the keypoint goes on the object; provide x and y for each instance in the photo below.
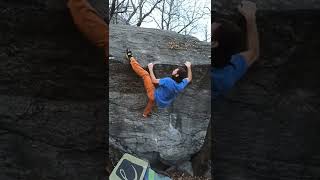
(188, 65)
(189, 74)
(153, 77)
(252, 42)
(248, 10)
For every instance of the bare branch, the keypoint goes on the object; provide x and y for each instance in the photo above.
(142, 17)
(112, 9)
(133, 13)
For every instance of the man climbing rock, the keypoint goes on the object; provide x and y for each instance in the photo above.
(89, 23)
(229, 65)
(168, 88)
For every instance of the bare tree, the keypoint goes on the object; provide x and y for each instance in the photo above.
(116, 8)
(132, 10)
(111, 10)
(180, 15)
(170, 13)
(143, 16)
(207, 34)
(191, 14)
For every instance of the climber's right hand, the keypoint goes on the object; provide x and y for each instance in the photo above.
(248, 9)
(188, 64)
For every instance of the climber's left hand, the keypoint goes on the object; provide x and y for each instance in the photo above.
(150, 65)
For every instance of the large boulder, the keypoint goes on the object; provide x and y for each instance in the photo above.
(267, 127)
(52, 96)
(171, 135)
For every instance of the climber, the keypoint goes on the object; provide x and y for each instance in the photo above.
(89, 23)
(229, 64)
(168, 88)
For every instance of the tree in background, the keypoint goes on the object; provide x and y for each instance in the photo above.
(131, 12)
(181, 16)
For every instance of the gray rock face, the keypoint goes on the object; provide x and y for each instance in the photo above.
(52, 123)
(267, 127)
(171, 134)
(157, 46)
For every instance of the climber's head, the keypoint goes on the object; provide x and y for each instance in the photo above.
(226, 41)
(179, 74)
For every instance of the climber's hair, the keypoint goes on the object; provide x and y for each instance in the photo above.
(182, 74)
(228, 35)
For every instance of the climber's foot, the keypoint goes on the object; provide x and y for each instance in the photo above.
(111, 57)
(145, 116)
(128, 54)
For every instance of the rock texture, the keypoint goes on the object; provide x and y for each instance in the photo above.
(157, 46)
(52, 96)
(267, 127)
(170, 135)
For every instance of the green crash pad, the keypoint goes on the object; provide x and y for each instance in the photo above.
(129, 168)
(151, 175)
(132, 168)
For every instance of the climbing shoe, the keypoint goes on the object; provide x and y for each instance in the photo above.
(128, 54)
(111, 57)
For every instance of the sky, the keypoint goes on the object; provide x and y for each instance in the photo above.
(149, 22)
